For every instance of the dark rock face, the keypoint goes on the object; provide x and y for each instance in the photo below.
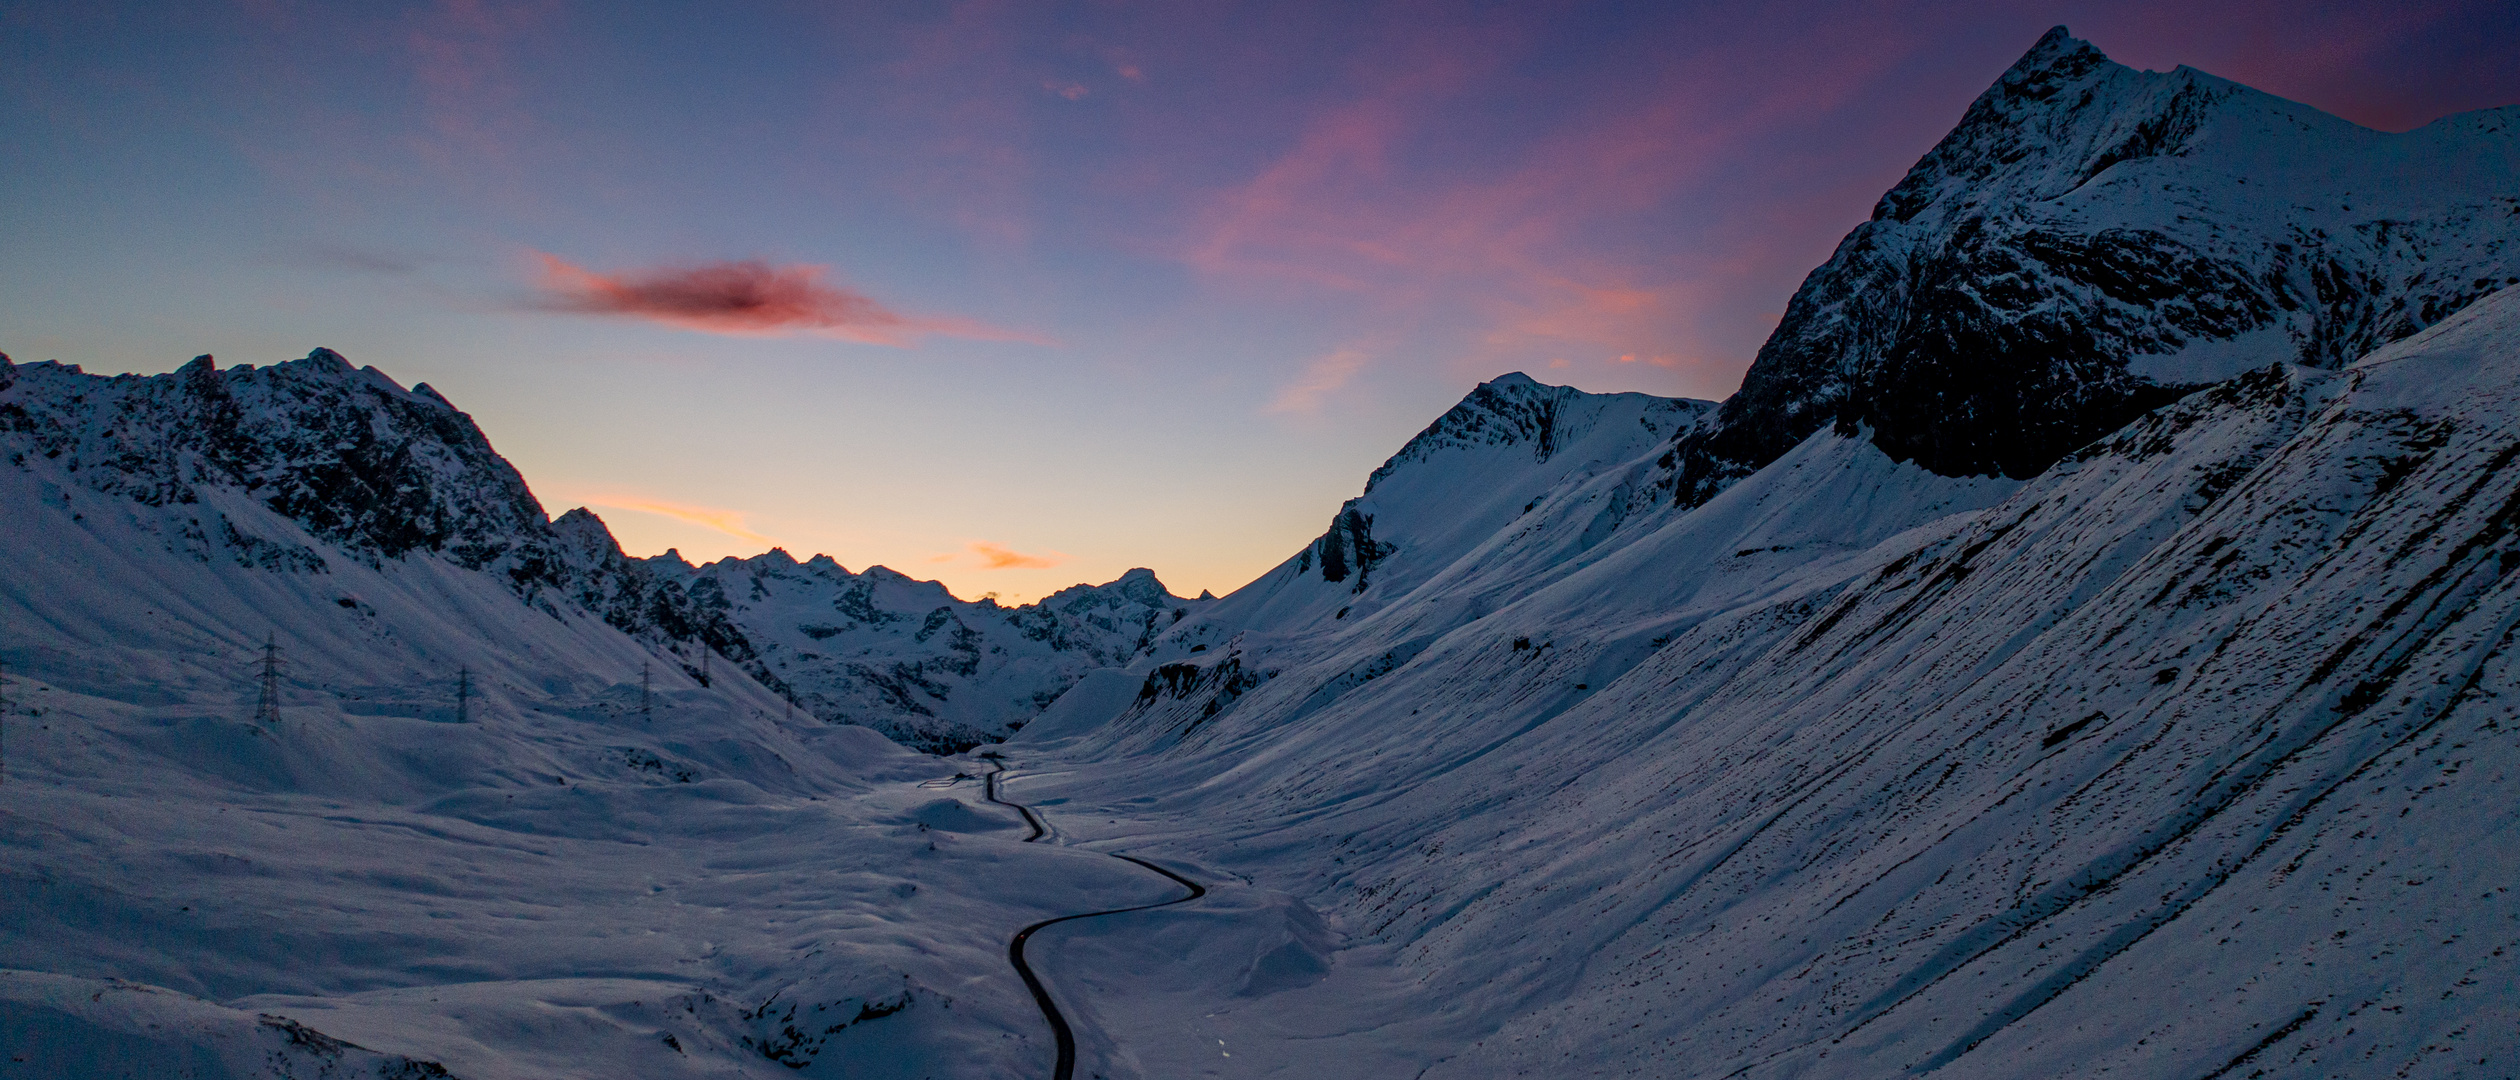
(2092, 241)
(1509, 410)
(360, 462)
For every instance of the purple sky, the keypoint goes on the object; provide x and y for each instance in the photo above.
(1018, 295)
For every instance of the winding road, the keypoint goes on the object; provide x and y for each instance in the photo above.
(1066, 1036)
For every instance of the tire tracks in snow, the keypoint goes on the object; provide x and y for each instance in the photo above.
(1065, 1069)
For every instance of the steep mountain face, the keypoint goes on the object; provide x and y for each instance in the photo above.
(906, 657)
(2093, 241)
(1496, 458)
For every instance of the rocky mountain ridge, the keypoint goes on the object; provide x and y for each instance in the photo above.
(2093, 241)
(907, 657)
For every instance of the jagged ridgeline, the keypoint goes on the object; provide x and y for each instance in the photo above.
(906, 657)
(293, 467)
(2093, 241)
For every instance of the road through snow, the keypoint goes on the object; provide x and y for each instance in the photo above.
(1065, 1069)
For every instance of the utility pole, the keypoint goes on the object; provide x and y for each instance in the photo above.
(646, 702)
(463, 696)
(705, 650)
(267, 711)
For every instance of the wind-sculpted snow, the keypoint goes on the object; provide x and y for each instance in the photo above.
(2192, 757)
(907, 658)
(2092, 241)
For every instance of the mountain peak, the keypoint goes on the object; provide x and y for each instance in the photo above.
(2091, 241)
(2057, 54)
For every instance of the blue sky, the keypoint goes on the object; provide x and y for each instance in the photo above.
(1150, 284)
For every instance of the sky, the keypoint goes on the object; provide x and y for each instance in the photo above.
(1009, 295)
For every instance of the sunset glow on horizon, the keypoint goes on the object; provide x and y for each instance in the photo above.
(1017, 296)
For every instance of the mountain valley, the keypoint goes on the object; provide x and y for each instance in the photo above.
(2083, 646)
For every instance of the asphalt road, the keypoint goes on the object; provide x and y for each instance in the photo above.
(1065, 1069)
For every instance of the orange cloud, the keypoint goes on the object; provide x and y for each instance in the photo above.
(998, 557)
(748, 298)
(730, 522)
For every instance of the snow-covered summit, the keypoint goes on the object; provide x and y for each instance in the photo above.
(2092, 241)
(1509, 447)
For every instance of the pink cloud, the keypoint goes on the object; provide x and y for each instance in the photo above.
(748, 298)
(1526, 251)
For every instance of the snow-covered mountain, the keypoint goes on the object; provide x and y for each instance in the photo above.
(2093, 241)
(2181, 747)
(2194, 753)
(911, 660)
(306, 467)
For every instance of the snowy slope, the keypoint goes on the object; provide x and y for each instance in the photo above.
(2194, 754)
(2091, 241)
(1518, 485)
(908, 658)
(1508, 447)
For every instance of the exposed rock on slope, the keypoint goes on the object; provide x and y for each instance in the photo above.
(2093, 241)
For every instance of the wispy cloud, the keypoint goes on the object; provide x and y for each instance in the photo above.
(730, 522)
(1321, 378)
(360, 260)
(999, 557)
(749, 298)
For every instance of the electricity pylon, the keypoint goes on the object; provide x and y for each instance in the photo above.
(646, 701)
(267, 710)
(463, 695)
